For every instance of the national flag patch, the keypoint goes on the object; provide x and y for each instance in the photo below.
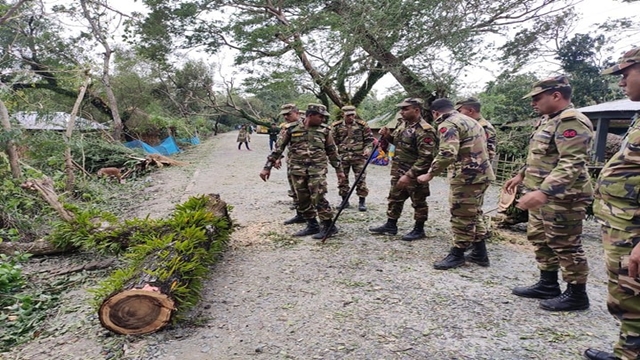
(443, 130)
(570, 133)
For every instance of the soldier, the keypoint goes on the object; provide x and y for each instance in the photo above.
(464, 142)
(310, 143)
(616, 207)
(291, 114)
(273, 132)
(416, 142)
(471, 108)
(355, 143)
(557, 193)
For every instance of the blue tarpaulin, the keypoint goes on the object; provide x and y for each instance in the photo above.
(168, 146)
(193, 141)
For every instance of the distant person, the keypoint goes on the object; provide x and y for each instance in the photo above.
(243, 137)
(355, 143)
(274, 130)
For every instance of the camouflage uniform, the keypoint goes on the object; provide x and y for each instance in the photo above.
(352, 141)
(617, 208)
(307, 164)
(557, 166)
(463, 141)
(482, 232)
(415, 146)
(285, 109)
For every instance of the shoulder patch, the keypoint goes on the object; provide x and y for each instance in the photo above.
(443, 130)
(362, 122)
(325, 126)
(425, 125)
(569, 133)
(290, 125)
(335, 123)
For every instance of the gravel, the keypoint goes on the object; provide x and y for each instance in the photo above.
(359, 296)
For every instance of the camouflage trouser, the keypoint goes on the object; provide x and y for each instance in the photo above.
(555, 231)
(311, 190)
(292, 191)
(624, 291)
(418, 194)
(357, 164)
(466, 212)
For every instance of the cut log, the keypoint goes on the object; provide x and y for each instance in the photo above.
(166, 270)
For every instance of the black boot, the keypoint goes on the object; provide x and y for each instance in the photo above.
(327, 230)
(593, 354)
(298, 219)
(312, 228)
(546, 288)
(453, 260)
(361, 205)
(345, 201)
(478, 254)
(416, 233)
(574, 298)
(391, 228)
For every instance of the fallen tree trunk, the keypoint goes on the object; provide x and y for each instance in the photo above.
(45, 188)
(38, 247)
(166, 269)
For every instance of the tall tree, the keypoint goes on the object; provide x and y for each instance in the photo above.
(345, 47)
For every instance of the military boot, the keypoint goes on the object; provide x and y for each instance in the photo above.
(593, 354)
(345, 201)
(416, 233)
(326, 231)
(574, 298)
(478, 254)
(391, 228)
(454, 259)
(298, 219)
(546, 288)
(361, 205)
(312, 228)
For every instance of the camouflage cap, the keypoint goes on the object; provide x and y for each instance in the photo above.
(287, 108)
(318, 108)
(467, 101)
(349, 110)
(629, 58)
(551, 83)
(411, 102)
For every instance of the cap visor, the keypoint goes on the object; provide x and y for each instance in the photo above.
(532, 94)
(615, 70)
(350, 113)
(457, 107)
(403, 104)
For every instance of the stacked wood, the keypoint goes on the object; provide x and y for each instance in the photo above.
(166, 269)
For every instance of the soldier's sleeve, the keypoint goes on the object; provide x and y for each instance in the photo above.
(427, 147)
(332, 153)
(492, 142)
(630, 147)
(334, 132)
(573, 141)
(283, 140)
(368, 137)
(449, 147)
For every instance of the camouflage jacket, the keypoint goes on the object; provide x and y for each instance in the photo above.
(309, 149)
(464, 141)
(490, 131)
(558, 155)
(617, 194)
(415, 145)
(352, 140)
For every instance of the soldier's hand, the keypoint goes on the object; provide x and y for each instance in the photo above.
(341, 178)
(277, 164)
(512, 184)
(366, 154)
(634, 262)
(384, 131)
(403, 182)
(264, 174)
(532, 200)
(425, 178)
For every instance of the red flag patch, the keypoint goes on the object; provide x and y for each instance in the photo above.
(570, 133)
(443, 130)
(428, 140)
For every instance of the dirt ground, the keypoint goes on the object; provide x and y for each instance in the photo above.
(274, 296)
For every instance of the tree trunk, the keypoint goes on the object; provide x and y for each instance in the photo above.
(45, 188)
(38, 247)
(67, 136)
(146, 303)
(10, 149)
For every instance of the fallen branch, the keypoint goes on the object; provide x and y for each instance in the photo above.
(38, 247)
(45, 188)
